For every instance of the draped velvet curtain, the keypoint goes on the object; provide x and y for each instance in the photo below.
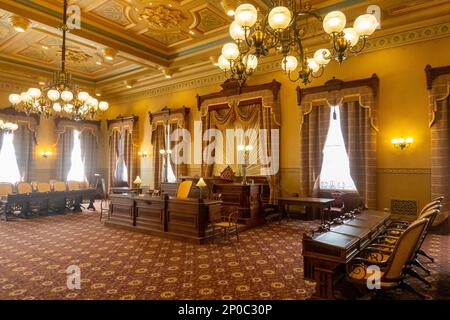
(89, 148)
(360, 142)
(63, 157)
(158, 143)
(313, 135)
(24, 142)
(246, 115)
(179, 169)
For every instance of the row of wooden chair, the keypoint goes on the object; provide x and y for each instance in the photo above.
(29, 187)
(396, 252)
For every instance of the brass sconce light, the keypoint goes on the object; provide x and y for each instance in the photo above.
(402, 143)
(46, 154)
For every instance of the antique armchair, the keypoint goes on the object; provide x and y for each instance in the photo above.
(226, 223)
(393, 267)
(184, 189)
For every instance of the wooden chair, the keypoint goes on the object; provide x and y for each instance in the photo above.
(184, 189)
(59, 186)
(43, 187)
(393, 267)
(6, 189)
(104, 203)
(226, 223)
(387, 243)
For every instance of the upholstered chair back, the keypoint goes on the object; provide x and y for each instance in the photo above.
(405, 249)
(184, 189)
(43, 187)
(73, 185)
(5, 189)
(59, 186)
(24, 187)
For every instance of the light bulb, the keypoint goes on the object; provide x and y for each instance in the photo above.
(68, 108)
(66, 96)
(246, 15)
(334, 22)
(251, 62)
(241, 147)
(237, 32)
(162, 151)
(230, 51)
(289, 63)
(409, 140)
(94, 102)
(57, 107)
(322, 56)
(35, 93)
(103, 105)
(224, 63)
(351, 35)
(53, 95)
(279, 18)
(365, 24)
(313, 65)
(25, 97)
(83, 96)
(14, 99)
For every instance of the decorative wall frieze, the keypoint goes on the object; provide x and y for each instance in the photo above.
(420, 171)
(216, 77)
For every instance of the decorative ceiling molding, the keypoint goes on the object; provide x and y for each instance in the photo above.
(404, 38)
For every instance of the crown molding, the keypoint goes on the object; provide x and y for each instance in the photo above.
(426, 33)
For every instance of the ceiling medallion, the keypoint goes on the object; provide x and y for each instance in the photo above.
(60, 95)
(162, 17)
(256, 35)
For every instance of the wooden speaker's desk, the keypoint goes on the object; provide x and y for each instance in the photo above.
(185, 219)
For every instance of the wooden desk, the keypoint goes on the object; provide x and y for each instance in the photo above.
(185, 219)
(320, 203)
(119, 190)
(326, 254)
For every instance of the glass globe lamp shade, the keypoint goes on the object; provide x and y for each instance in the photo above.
(83, 96)
(68, 108)
(67, 96)
(246, 15)
(35, 93)
(237, 32)
(251, 61)
(224, 63)
(230, 51)
(313, 65)
(14, 99)
(94, 102)
(322, 56)
(103, 105)
(365, 24)
(25, 97)
(351, 36)
(279, 18)
(289, 63)
(334, 22)
(57, 107)
(53, 95)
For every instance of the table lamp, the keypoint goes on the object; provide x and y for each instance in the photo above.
(201, 184)
(138, 181)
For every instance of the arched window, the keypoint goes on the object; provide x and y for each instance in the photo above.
(335, 173)
(76, 172)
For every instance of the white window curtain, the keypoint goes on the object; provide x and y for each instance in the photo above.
(335, 173)
(76, 172)
(10, 169)
(170, 173)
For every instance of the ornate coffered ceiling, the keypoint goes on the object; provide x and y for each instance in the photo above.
(154, 36)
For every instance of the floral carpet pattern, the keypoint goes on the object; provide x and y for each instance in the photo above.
(117, 264)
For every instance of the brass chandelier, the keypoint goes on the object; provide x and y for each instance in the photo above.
(61, 95)
(283, 29)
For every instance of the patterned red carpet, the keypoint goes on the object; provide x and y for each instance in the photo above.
(118, 264)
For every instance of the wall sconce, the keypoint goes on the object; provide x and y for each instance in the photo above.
(46, 154)
(402, 143)
(143, 154)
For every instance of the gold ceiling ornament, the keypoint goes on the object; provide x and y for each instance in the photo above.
(255, 35)
(61, 95)
(229, 6)
(162, 17)
(20, 24)
(109, 53)
(75, 57)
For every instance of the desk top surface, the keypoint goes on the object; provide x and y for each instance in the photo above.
(307, 200)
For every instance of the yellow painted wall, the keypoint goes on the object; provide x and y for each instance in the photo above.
(403, 111)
